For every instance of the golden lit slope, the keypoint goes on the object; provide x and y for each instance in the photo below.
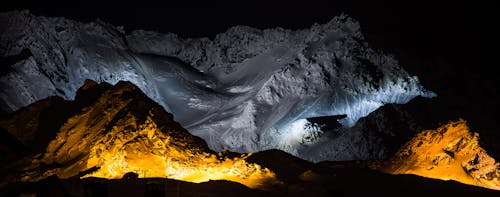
(124, 131)
(450, 152)
(150, 153)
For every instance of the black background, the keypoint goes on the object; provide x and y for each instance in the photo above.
(450, 45)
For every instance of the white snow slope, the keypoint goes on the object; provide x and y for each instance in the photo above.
(246, 90)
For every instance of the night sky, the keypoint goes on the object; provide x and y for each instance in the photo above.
(450, 45)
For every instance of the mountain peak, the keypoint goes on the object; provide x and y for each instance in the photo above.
(450, 152)
(240, 91)
(122, 131)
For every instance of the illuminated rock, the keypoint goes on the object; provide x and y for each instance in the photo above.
(239, 91)
(450, 152)
(122, 130)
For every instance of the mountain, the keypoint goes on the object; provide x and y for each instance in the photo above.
(108, 131)
(243, 90)
(451, 152)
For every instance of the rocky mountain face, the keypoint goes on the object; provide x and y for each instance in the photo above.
(451, 152)
(245, 90)
(109, 131)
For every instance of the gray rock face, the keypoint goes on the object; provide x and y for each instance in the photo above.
(245, 90)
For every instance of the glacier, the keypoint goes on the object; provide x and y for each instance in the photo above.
(245, 90)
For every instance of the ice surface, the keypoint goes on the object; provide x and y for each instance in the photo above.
(246, 90)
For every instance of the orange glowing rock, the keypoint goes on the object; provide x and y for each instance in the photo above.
(450, 152)
(124, 131)
(149, 153)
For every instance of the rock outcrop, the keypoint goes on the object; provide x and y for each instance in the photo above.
(451, 152)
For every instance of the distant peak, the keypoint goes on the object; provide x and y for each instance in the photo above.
(450, 152)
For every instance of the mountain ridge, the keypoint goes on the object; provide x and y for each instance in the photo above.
(223, 89)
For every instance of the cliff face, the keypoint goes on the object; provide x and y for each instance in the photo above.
(240, 91)
(451, 152)
(116, 130)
